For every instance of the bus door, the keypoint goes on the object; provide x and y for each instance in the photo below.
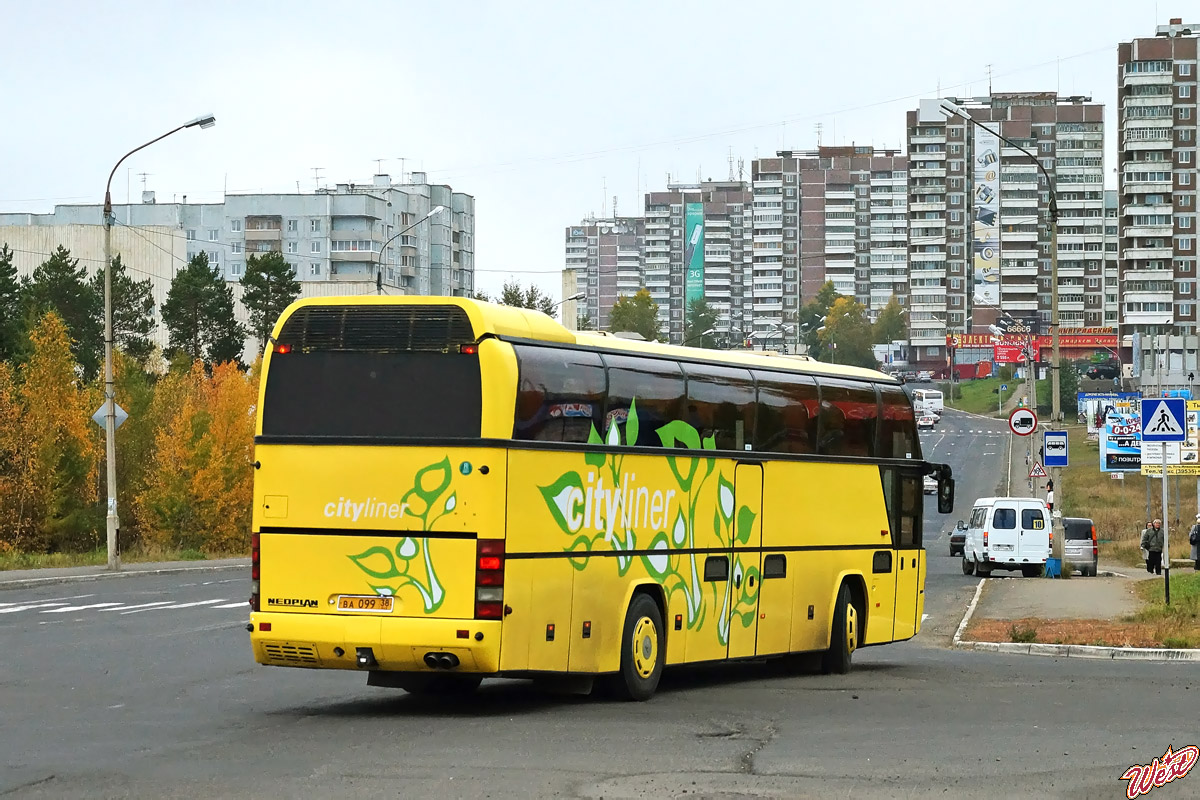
(904, 501)
(746, 579)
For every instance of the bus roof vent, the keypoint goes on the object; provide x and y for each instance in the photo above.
(377, 329)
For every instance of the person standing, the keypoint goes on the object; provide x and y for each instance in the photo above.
(1194, 541)
(1152, 542)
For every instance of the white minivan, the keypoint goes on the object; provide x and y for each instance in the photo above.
(1007, 533)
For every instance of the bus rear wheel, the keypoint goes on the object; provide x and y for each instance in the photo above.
(643, 651)
(844, 639)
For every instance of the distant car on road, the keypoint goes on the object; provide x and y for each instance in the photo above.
(924, 377)
(1099, 372)
(1081, 550)
(926, 422)
(931, 484)
(958, 537)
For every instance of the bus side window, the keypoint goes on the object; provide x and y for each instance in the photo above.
(560, 394)
(849, 418)
(654, 386)
(898, 427)
(722, 400)
(902, 495)
(785, 415)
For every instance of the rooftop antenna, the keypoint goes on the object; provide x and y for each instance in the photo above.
(989, 71)
(615, 215)
(143, 176)
(819, 127)
(604, 197)
(741, 168)
(316, 177)
(731, 178)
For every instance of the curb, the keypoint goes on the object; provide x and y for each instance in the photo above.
(134, 573)
(1066, 650)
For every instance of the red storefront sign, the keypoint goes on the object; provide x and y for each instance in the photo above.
(1009, 354)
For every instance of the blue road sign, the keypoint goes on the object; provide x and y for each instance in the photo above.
(1004, 387)
(1163, 419)
(1054, 444)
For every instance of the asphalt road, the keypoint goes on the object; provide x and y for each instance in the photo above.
(104, 695)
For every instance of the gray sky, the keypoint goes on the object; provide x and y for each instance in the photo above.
(532, 107)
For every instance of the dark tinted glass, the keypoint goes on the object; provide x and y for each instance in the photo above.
(1005, 519)
(720, 403)
(898, 427)
(786, 413)
(560, 394)
(1032, 519)
(849, 419)
(656, 384)
(1078, 528)
(421, 394)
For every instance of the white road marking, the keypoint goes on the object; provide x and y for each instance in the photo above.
(189, 605)
(143, 605)
(31, 606)
(59, 600)
(238, 604)
(80, 608)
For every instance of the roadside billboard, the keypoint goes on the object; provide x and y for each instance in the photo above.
(986, 227)
(693, 256)
(1094, 406)
(1121, 442)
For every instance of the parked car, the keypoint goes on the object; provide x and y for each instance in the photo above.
(926, 422)
(958, 537)
(931, 484)
(1081, 549)
(1009, 533)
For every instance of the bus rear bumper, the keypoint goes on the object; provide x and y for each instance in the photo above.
(328, 641)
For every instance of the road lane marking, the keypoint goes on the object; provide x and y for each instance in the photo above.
(197, 603)
(238, 604)
(30, 607)
(142, 605)
(79, 608)
(59, 600)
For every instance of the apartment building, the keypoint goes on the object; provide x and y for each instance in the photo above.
(604, 260)
(979, 233)
(839, 214)
(1157, 179)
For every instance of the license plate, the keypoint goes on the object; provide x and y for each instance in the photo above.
(371, 603)
(1004, 547)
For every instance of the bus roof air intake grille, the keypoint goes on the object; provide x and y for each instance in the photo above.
(377, 329)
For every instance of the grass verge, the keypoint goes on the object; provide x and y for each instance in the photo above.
(979, 395)
(17, 560)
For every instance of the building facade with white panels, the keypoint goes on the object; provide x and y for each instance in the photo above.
(604, 261)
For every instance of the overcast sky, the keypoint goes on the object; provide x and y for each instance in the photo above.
(534, 108)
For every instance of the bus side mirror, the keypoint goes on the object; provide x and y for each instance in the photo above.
(946, 496)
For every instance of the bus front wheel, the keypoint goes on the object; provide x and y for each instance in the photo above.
(643, 650)
(844, 639)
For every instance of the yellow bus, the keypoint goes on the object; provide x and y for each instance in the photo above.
(447, 490)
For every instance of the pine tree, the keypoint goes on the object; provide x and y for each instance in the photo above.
(199, 315)
(132, 308)
(10, 305)
(60, 285)
(270, 287)
(533, 298)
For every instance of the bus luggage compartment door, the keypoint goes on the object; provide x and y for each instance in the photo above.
(746, 580)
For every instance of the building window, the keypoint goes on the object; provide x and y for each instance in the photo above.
(314, 268)
(235, 268)
(954, 216)
(1185, 242)
(314, 226)
(315, 247)
(1185, 135)
(1185, 179)
(292, 225)
(1093, 283)
(1185, 91)
(235, 225)
(235, 247)
(955, 249)
(214, 257)
(1185, 222)
(1185, 69)
(191, 234)
(292, 247)
(1185, 112)
(1185, 156)
(212, 235)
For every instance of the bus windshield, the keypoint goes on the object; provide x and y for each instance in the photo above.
(374, 372)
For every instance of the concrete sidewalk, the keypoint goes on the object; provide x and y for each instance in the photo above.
(19, 578)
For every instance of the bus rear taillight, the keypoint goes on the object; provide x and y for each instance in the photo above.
(489, 579)
(254, 567)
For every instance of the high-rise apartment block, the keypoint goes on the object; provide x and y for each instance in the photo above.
(604, 262)
(979, 232)
(1157, 179)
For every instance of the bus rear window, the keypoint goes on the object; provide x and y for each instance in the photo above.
(374, 371)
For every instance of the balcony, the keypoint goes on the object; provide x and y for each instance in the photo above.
(1145, 187)
(918, 257)
(917, 208)
(1147, 79)
(1019, 288)
(1138, 253)
(1155, 231)
(263, 234)
(927, 173)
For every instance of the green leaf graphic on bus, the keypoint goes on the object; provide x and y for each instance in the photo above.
(563, 498)
(745, 524)
(377, 562)
(678, 433)
(631, 425)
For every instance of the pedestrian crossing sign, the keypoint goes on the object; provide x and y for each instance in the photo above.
(1037, 471)
(1162, 419)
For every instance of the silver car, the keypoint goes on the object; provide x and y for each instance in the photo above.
(1080, 547)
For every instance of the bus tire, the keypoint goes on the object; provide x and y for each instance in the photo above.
(643, 650)
(844, 639)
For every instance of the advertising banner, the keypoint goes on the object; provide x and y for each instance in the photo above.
(693, 256)
(986, 227)
(1095, 406)
(1009, 354)
(1121, 442)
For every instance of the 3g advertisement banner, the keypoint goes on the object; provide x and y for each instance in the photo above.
(986, 228)
(693, 256)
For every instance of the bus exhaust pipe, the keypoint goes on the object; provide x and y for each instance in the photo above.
(441, 660)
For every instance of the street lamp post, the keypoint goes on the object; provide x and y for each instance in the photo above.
(576, 296)
(112, 521)
(700, 336)
(379, 261)
(948, 108)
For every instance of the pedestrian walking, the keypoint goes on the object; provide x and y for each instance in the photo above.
(1145, 552)
(1152, 542)
(1194, 541)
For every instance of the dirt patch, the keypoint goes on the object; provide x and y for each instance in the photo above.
(1110, 633)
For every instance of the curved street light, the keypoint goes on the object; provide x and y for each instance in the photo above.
(379, 261)
(699, 336)
(111, 520)
(576, 296)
